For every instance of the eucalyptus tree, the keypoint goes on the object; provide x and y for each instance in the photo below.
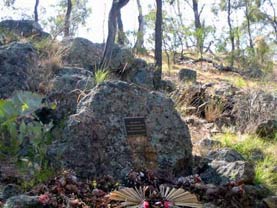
(10, 3)
(66, 29)
(139, 44)
(121, 38)
(158, 44)
(36, 10)
(117, 5)
(70, 15)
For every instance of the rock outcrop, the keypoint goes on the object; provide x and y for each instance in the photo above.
(67, 87)
(83, 53)
(24, 28)
(18, 65)
(95, 140)
(228, 165)
(187, 75)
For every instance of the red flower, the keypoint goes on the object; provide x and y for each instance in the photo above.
(146, 204)
(44, 199)
(167, 204)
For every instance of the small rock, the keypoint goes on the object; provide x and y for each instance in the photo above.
(187, 75)
(267, 129)
(140, 73)
(167, 86)
(270, 202)
(23, 201)
(11, 190)
(225, 154)
(209, 205)
(208, 143)
(234, 171)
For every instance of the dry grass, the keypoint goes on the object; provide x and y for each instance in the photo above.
(213, 110)
(51, 53)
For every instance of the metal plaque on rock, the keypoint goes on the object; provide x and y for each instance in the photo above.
(135, 126)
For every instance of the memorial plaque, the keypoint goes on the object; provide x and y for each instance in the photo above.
(135, 126)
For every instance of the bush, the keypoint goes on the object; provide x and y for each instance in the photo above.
(23, 136)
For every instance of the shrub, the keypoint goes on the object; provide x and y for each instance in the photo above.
(23, 136)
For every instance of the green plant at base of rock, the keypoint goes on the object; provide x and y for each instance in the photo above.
(262, 153)
(40, 176)
(101, 75)
(23, 136)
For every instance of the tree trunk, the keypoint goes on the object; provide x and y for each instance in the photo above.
(247, 15)
(273, 20)
(197, 22)
(36, 10)
(120, 35)
(197, 25)
(112, 27)
(140, 34)
(231, 33)
(66, 30)
(158, 45)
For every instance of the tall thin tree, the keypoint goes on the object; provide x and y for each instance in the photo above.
(121, 38)
(112, 28)
(36, 10)
(158, 45)
(139, 47)
(66, 30)
(231, 32)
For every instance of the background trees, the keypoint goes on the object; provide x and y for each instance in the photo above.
(242, 33)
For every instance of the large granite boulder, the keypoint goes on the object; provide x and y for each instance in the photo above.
(18, 64)
(82, 53)
(23, 28)
(95, 141)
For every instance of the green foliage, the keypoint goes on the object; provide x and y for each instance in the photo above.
(22, 135)
(250, 146)
(79, 14)
(101, 75)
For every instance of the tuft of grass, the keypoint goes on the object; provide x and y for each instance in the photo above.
(248, 146)
(101, 75)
